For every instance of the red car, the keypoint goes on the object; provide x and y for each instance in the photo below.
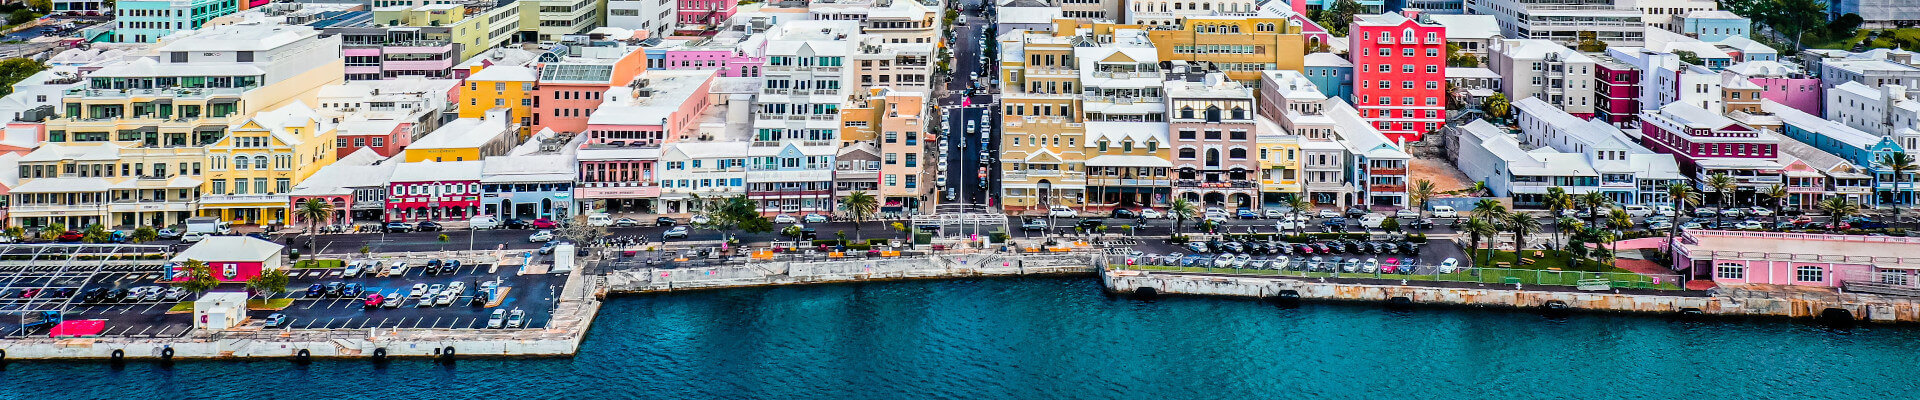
(543, 223)
(71, 236)
(374, 300)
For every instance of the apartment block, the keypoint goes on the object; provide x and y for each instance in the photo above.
(1546, 70)
(147, 21)
(1401, 62)
(1616, 22)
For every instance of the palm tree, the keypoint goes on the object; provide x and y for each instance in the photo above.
(1421, 191)
(1555, 199)
(1180, 209)
(144, 234)
(313, 211)
(96, 233)
(1497, 106)
(1900, 164)
(1594, 201)
(1620, 222)
(1477, 228)
(53, 231)
(1683, 197)
(1778, 194)
(1489, 209)
(1722, 186)
(1562, 227)
(1299, 204)
(1838, 208)
(1520, 224)
(860, 206)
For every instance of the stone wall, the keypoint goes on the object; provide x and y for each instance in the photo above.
(954, 265)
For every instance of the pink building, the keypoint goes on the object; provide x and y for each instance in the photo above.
(569, 90)
(1616, 91)
(706, 12)
(1802, 259)
(730, 63)
(1783, 84)
(624, 136)
(1399, 67)
(434, 191)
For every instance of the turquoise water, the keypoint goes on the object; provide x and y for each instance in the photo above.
(1062, 338)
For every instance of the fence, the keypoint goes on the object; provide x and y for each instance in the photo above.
(1507, 276)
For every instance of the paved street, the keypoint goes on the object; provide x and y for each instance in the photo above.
(965, 102)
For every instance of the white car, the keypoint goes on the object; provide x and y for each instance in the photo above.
(457, 287)
(1448, 266)
(785, 219)
(352, 270)
(940, 181)
(498, 319)
(419, 290)
(397, 269)
(1445, 212)
(1275, 213)
(700, 220)
(1151, 213)
(1329, 213)
(1062, 212)
(541, 236)
(1749, 224)
(444, 299)
(1759, 211)
(1406, 214)
(816, 219)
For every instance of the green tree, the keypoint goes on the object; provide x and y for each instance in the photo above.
(1457, 59)
(1480, 189)
(96, 233)
(1390, 225)
(1689, 57)
(1557, 202)
(1521, 224)
(199, 277)
(47, 5)
(1778, 196)
(21, 16)
(1476, 229)
(1300, 205)
(144, 234)
(1620, 222)
(1497, 106)
(53, 231)
(1180, 209)
(1594, 201)
(1337, 17)
(1564, 226)
(739, 212)
(1900, 164)
(269, 283)
(1722, 186)
(1838, 209)
(1683, 198)
(314, 211)
(14, 70)
(16, 232)
(860, 206)
(1844, 26)
(1490, 210)
(1421, 192)
(1794, 18)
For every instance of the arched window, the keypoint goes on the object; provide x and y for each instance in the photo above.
(1237, 154)
(240, 162)
(1186, 153)
(259, 162)
(1213, 157)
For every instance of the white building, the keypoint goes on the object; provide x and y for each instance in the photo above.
(1544, 69)
(1887, 111)
(1618, 23)
(796, 122)
(1628, 172)
(657, 17)
(1472, 33)
(1665, 80)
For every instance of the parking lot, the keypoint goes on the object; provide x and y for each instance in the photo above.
(61, 288)
(531, 293)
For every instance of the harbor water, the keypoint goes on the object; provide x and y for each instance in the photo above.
(1061, 338)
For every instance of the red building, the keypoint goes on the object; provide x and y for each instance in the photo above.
(1400, 73)
(384, 137)
(1616, 91)
(429, 190)
(232, 258)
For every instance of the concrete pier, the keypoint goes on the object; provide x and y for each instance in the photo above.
(773, 273)
(1852, 306)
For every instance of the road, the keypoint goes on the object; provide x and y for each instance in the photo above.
(965, 152)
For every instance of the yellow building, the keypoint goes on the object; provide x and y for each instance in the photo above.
(467, 139)
(474, 29)
(500, 86)
(1042, 160)
(1241, 46)
(1279, 162)
(250, 171)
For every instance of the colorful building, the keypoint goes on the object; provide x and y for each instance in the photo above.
(232, 259)
(251, 170)
(467, 139)
(434, 191)
(146, 21)
(570, 88)
(1242, 46)
(1401, 63)
(500, 86)
(1798, 259)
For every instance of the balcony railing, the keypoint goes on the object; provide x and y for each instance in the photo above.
(1227, 184)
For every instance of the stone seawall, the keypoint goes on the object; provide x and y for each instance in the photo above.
(773, 273)
(1864, 307)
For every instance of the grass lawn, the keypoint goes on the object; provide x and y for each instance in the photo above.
(305, 264)
(1910, 35)
(1548, 259)
(184, 306)
(274, 304)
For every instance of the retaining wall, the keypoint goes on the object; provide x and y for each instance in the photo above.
(959, 265)
(1858, 306)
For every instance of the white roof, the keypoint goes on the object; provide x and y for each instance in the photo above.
(670, 90)
(1834, 130)
(1694, 116)
(432, 171)
(528, 168)
(1758, 69)
(1467, 26)
(1536, 49)
(9, 169)
(1475, 72)
(1324, 59)
(704, 150)
(1028, 15)
(147, 67)
(464, 133)
(510, 73)
(224, 38)
(1712, 14)
(58, 152)
(624, 153)
(230, 248)
(1358, 135)
(347, 173)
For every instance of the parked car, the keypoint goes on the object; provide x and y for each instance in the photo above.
(399, 227)
(483, 222)
(392, 300)
(701, 220)
(351, 290)
(784, 219)
(544, 223)
(1090, 224)
(353, 269)
(167, 234)
(665, 221)
(427, 226)
(1406, 214)
(449, 267)
(1034, 224)
(541, 236)
(1445, 212)
(1329, 213)
(516, 223)
(815, 219)
(517, 318)
(1062, 212)
(71, 236)
(316, 290)
(675, 232)
(497, 319)
(1149, 213)
(276, 320)
(174, 294)
(418, 290)
(375, 300)
(626, 223)
(1275, 213)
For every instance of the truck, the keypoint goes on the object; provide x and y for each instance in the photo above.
(201, 227)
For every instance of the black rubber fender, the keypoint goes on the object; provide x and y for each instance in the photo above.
(380, 353)
(166, 353)
(1146, 293)
(118, 355)
(303, 356)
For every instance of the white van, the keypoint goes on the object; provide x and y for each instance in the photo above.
(1638, 211)
(1372, 220)
(1445, 212)
(599, 220)
(483, 222)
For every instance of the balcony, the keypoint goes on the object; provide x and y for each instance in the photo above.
(1227, 184)
(1386, 188)
(1055, 175)
(1387, 171)
(1108, 181)
(169, 92)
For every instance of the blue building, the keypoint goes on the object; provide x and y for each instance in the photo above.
(1715, 25)
(146, 21)
(1856, 146)
(1331, 74)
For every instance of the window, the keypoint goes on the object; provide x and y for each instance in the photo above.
(1808, 273)
(1730, 271)
(1187, 153)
